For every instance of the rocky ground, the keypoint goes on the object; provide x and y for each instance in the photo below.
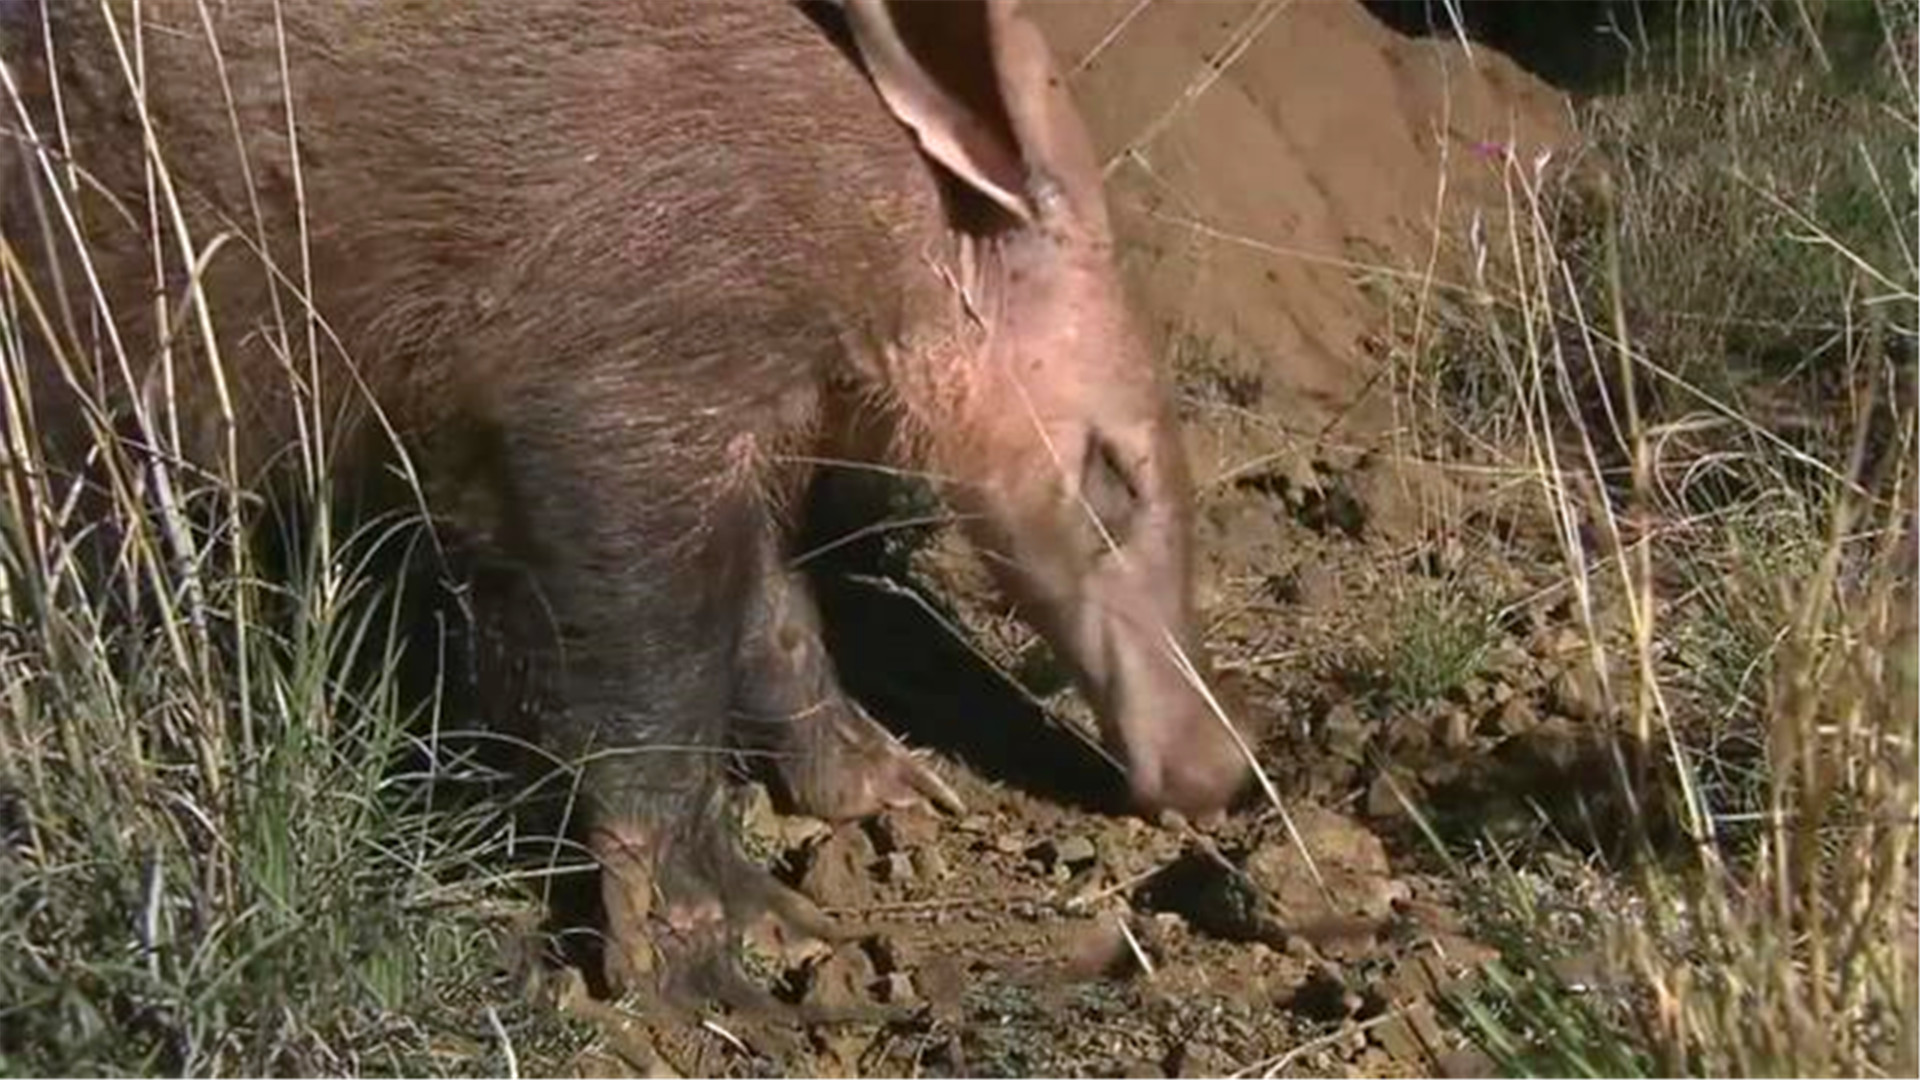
(1041, 933)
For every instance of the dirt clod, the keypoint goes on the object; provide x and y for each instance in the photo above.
(929, 865)
(842, 981)
(1413, 1034)
(899, 867)
(1073, 852)
(1337, 869)
(1577, 693)
(1453, 728)
(1388, 796)
(1512, 718)
(837, 875)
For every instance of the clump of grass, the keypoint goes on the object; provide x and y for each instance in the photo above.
(1440, 640)
(1724, 634)
(225, 845)
(1707, 372)
(198, 883)
(1536, 1011)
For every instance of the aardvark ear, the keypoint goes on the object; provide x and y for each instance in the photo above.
(975, 82)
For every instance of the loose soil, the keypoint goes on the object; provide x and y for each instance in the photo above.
(1272, 164)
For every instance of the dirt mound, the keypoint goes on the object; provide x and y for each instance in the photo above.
(1262, 155)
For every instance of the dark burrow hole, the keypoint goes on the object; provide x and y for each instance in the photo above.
(894, 655)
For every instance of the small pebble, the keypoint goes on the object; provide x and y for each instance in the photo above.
(899, 867)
